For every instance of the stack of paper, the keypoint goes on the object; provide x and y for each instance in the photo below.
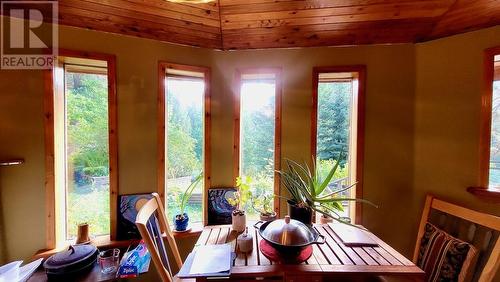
(207, 261)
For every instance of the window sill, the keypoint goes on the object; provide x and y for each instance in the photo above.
(102, 242)
(105, 242)
(487, 193)
(196, 229)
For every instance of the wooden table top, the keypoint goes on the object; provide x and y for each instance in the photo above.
(330, 259)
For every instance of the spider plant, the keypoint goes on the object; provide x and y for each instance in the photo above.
(184, 197)
(308, 189)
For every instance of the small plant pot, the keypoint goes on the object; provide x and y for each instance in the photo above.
(181, 222)
(239, 221)
(302, 214)
(268, 217)
(324, 219)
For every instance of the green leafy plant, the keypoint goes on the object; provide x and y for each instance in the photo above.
(308, 188)
(181, 199)
(241, 197)
(96, 171)
(263, 204)
(261, 201)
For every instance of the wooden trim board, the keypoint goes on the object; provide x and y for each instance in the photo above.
(485, 116)
(360, 71)
(277, 72)
(54, 97)
(162, 128)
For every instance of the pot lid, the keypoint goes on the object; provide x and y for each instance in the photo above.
(73, 254)
(288, 232)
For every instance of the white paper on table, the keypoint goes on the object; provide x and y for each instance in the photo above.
(10, 271)
(211, 259)
(27, 270)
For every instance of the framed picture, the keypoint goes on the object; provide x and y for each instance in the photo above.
(218, 208)
(128, 207)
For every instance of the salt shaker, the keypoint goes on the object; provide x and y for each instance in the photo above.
(245, 242)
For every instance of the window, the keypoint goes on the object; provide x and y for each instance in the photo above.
(81, 146)
(337, 129)
(490, 127)
(494, 171)
(184, 112)
(257, 132)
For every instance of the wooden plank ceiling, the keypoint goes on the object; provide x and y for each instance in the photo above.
(250, 24)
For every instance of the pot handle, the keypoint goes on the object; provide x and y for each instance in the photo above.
(323, 240)
(258, 224)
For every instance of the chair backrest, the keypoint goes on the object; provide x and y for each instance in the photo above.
(479, 229)
(153, 226)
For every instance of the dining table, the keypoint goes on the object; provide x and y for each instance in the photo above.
(331, 261)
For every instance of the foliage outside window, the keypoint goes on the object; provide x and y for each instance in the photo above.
(87, 153)
(257, 138)
(334, 132)
(185, 142)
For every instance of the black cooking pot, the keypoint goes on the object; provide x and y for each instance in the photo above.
(74, 261)
(288, 235)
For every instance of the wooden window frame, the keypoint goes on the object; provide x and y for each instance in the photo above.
(277, 71)
(360, 135)
(483, 190)
(51, 98)
(161, 163)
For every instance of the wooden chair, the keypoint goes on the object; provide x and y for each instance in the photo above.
(479, 229)
(153, 226)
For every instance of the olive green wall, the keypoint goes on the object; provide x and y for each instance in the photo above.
(388, 129)
(406, 127)
(21, 129)
(449, 82)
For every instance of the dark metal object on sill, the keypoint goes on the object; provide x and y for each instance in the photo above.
(11, 162)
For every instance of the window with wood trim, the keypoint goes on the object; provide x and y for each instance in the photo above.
(490, 126)
(184, 138)
(81, 155)
(258, 134)
(337, 129)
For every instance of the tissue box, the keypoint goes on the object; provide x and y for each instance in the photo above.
(134, 262)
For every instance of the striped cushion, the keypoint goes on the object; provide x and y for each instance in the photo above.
(443, 257)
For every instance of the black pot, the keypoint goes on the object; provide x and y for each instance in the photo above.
(66, 265)
(288, 236)
(302, 214)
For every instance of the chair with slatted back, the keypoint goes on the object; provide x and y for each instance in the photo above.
(153, 226)
(478, 229)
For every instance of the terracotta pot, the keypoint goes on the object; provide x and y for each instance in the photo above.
(239, 222)
(302, 214)
(270, 217)
(325, 220)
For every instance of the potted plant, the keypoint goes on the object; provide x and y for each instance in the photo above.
(238, 200)
(309, 193)
(324, 219)
(261, 202)
(181, 220)
(263, 205)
